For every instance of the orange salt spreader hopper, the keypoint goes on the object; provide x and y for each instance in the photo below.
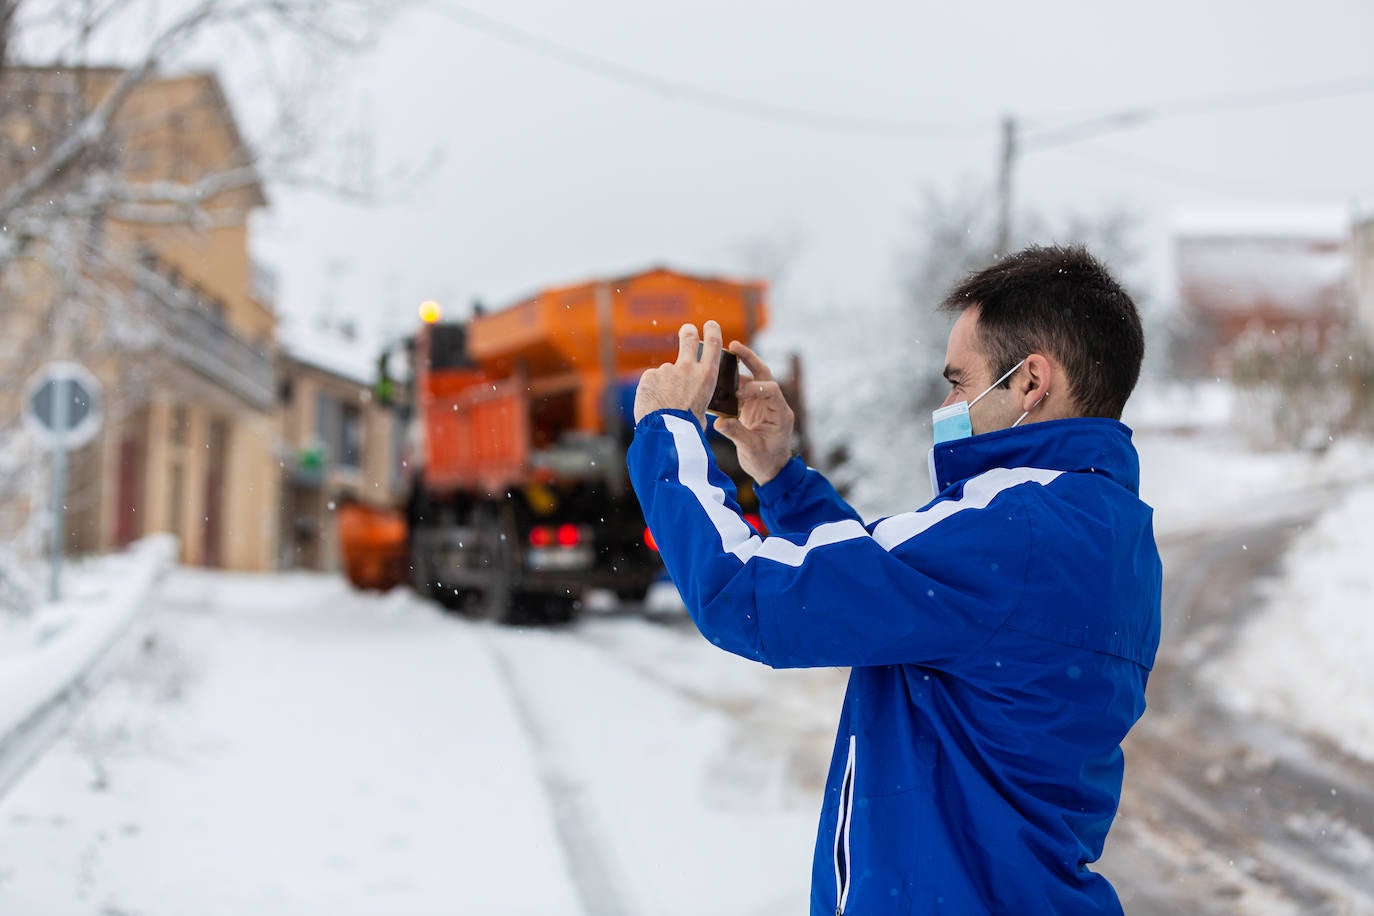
(374, 545)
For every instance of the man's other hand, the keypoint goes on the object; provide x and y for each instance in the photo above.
(686, 384)
(763, 431)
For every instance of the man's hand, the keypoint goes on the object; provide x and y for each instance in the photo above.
(763, 432)
(686, 384)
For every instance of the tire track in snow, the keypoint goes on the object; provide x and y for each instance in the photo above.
(574, 821)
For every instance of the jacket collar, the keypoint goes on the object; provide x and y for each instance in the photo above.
(1086, 444)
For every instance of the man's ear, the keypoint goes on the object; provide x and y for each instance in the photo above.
(1037, 381)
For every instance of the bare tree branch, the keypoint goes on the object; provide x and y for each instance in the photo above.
(8, 10)
(29, 198)
(95, 125)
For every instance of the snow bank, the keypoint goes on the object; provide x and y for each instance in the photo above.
(1211, 478)
(1305, 658)
(42, 654)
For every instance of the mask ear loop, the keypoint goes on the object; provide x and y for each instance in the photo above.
(1006, 375)
(1027, 413)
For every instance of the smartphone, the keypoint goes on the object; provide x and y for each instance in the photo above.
(725, 398)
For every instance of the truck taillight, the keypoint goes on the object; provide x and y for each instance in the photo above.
(649, 541)
(565, 535)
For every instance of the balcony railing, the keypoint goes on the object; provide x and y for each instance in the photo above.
(201, 341)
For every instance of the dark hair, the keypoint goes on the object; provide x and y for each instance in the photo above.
(1059, 301)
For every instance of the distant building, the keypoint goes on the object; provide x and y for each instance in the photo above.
(1362, 244)
(167, 316)
(339, 441)
(1260, 271)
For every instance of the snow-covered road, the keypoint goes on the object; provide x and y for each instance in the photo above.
(282, 745)
(1225, 812)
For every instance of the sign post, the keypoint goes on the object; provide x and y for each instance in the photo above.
(62, 409)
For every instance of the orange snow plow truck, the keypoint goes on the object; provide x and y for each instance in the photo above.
(519, 501)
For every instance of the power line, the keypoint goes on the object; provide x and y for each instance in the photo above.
(1034, 138)
(1040, 137)
(1130, 162)
(1013, 143)
(1090, 127)
(1267, 98)
(686, 92)
(1015, 140)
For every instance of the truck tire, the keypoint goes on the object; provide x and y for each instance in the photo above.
(498, 599)
(423, 577)
(420, 578)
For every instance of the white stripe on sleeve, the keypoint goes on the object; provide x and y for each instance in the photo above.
(978, 493)
(736, 536)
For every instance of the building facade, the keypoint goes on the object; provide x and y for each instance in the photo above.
(1247, 272)
(1362, 253)
(340, 442)
(157, 297)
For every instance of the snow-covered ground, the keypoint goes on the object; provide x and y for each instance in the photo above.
(1198, 470)
(1305, 659)
(279, 744)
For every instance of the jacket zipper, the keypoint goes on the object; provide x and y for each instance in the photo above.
(843, 865)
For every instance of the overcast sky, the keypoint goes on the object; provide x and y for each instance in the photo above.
(551, 174)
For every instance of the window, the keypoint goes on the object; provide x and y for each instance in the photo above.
(339, 428)
(180, 422)
(178, 495)
(351, 436)
(326, 422)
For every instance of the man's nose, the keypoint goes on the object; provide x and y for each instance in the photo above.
(950, 399)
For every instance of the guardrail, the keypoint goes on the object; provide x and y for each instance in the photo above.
(43, 687)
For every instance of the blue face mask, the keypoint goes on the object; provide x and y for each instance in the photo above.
(952, 422)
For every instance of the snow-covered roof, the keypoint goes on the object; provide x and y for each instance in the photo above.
(353, 358)
(1243, 273)
(1320, 221)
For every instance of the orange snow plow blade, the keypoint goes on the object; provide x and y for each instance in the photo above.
(374, 546)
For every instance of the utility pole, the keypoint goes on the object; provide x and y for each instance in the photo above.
(1005, 166)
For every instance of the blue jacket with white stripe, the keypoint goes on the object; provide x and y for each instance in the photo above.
(999, 638)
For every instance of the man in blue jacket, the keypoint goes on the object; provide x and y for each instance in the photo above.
(999, 637)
